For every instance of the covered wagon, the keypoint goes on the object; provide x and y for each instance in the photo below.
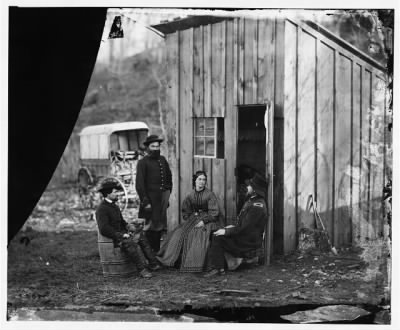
(110, 151)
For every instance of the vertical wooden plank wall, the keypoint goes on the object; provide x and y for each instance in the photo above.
(198, 72)
(269, 91)
(218, 70)
(172, 118)
(207, 67)
(340, 115)
(325, 103)
(377, 153)
(231, 118)
(218, 101)
(186, 111)
(366, 81)
(306, 125)
(289, 106)
(250, 61)
(356, 154)
(241, 53)
(342, 198)
(266, 61)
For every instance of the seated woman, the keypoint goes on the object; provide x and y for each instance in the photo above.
(187, 245)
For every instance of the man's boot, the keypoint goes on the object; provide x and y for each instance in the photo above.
(153, 238)
(130, 248)
(148, 253)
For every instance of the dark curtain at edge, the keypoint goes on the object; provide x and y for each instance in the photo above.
(52, 52)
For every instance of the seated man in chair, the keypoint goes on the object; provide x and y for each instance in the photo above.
(246, 235)
(112, 225)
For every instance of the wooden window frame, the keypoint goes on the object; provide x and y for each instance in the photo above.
(215, 137)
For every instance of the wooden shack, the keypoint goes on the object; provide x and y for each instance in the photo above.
(289, 99)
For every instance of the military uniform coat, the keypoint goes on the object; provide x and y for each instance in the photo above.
(246, 235)
(153, 177)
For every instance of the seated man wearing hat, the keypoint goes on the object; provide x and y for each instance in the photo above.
(153, 185)
(112, 225)
(246, 235)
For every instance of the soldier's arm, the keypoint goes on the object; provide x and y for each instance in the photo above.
(250, 219)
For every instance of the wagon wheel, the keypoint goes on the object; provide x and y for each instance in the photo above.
(123, 195)
(85, 181)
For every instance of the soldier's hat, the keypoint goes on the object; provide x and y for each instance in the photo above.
(259, 184)
(152, 138)
(108, 184)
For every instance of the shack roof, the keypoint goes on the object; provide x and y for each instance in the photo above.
(115, 127)
(188, 22)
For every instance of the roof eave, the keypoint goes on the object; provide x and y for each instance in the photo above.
(187, 23)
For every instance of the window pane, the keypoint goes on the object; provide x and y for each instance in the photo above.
(133, 142)
(210, 127)
(136, 139)
(199, 146)
(123, 141)
(199, 127)
(114, 145)
(209, 147)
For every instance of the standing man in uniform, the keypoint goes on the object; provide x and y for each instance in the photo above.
(247, 234)
(154, 185)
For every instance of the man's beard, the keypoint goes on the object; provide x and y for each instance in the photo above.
(154, 153)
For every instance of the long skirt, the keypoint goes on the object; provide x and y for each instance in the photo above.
(188, 245)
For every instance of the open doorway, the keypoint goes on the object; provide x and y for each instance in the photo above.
(251, 151)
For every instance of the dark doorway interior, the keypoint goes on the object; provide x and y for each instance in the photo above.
(250, 147)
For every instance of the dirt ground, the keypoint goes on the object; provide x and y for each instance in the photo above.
(60, 268)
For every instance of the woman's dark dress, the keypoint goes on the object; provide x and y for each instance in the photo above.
(187, 241)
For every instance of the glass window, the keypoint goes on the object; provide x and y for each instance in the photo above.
(207, 137)
(209, 127)
(199, 146)
(210, 150)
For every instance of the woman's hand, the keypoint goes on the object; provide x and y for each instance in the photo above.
(199, 224)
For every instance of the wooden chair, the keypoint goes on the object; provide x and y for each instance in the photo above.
(256, 256)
